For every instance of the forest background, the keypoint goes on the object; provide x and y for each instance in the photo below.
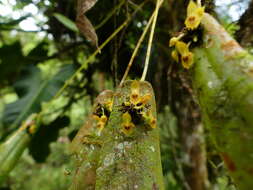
(41, 48)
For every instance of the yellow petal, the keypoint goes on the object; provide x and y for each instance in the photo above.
(192, 21)
(103, 119)
(135, 87)
(96, 117)
(173, 41)
(144, 99)
(150, 119)
(187, 60)
(100, 126)
(109, 104)
(192, 6)
(126, 117)
(182, 47)
(174, 55)
(152, 123)
(135, 91)
(127, 128)
(200, 11)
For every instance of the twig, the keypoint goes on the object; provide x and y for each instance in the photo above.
(199, 3)
(137, 48)
(150, 40)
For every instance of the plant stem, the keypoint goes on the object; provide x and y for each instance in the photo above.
(158, 2)
(137, 48)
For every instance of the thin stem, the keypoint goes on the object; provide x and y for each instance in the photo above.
(109, 15)
(137, 48)
(199, 3)
(91, 57)
(151, 36)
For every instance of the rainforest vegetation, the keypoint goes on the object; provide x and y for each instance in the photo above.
(126, 94)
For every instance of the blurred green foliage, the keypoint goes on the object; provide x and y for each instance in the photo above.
(34, 65)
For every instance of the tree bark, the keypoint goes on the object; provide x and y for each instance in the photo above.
(222, 77)
(129, 162)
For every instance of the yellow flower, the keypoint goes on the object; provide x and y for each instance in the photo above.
(127, 125)
(174, 55)
(173, 41)
(103, 119)
(182, 48)
(135, 92)
(186, 55)
(100, 126)
(152, 123)
(194, 15)
(187, 60)
(150, 119)
(127, 128)
(144, 99)
(108, 105)
(101, 122)
(95, 117)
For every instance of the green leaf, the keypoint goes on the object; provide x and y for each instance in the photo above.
(32, 91)
(12, 149)
(11, 60)
(39, 147)
(66, 22)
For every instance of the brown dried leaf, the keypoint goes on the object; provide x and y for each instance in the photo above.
(83, 23)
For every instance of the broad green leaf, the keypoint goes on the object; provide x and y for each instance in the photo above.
(32, 90)
(66, 22)
(12, 59)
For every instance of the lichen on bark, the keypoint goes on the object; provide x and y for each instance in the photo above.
(86, 145)
(130, 161)
(223, 82)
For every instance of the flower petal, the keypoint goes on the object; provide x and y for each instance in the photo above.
(187, 60)
(175, 56)
(126, 117)
(182, 47)
(192, 6)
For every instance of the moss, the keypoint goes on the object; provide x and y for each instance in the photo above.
(130, 162)
(225, 93)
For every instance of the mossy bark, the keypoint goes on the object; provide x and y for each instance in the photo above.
(222, 78)
(130, 161)
(86, 147)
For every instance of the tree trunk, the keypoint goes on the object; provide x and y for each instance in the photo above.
(222, 77)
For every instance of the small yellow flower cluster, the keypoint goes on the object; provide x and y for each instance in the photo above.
(195, 13)
(135, 98)
(101, 122)
(136, 105)
(181, 52)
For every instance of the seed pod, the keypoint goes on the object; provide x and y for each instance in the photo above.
(222, 77)
(130, 161)
(86, 145)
